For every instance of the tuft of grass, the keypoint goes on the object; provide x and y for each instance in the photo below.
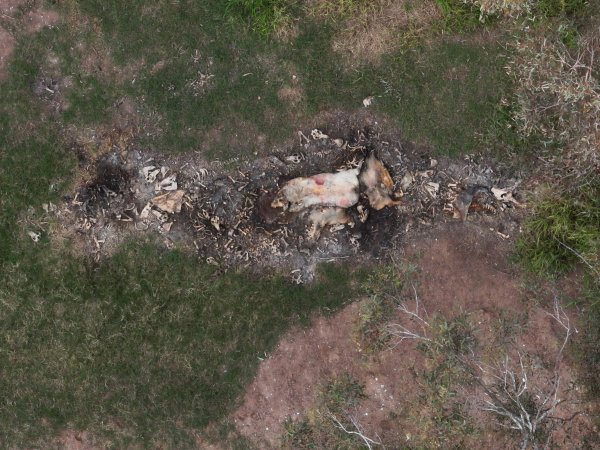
(264, 16)
(563, 231)
(342, 393)
(458, 16)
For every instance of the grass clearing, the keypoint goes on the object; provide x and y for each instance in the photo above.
(217, 86)
(145, 347)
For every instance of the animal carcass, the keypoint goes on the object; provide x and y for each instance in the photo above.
(325, 189)
(378, 184)
(321, 217)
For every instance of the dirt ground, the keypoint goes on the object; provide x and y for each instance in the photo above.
(7, 46)
(462, 268)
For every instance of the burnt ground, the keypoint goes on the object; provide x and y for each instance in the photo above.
(463, 269)
(223, 212)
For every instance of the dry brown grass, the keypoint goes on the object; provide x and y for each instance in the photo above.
(383, 27)
(506, 8)
(559, 98)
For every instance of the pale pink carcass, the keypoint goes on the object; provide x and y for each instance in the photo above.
(325, 189)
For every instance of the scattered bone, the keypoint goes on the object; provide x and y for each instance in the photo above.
(367, 101)
(150, 173)
(35, 237)
(321, 217)
(433, 163)
(363, 213)
(162, 217)
(432, 188)
(296, 159)
(146, 211)
(325, 189)
(465, 199)
(506, 196)
(170, 202)
(318, 134)
(378, 183)
(168, 184)
(49, 207)
(339, 142)
(216, 222)
(406, 181)
(303, 139)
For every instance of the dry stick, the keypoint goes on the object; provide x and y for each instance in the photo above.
(579, 256)
(359, 433)
(505, 399)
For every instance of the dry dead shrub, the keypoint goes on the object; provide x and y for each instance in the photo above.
(559, 98)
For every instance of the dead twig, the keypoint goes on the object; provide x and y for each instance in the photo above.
(358, 431)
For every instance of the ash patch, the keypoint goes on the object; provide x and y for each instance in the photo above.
(224, 210)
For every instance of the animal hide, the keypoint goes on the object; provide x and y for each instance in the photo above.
(378, 184)
(321, 217)
(325, 189)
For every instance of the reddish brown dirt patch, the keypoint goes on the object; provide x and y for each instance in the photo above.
(75, 440)
(40, 18)
(288, 381)
(7, 46)
(9, 7)
(464, 267)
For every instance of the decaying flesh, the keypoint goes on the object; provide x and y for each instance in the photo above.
(378, 184)
(466, 198)
(325, 189)
(321, 217)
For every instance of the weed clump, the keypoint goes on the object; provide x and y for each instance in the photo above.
(264, 16)
(563, 231)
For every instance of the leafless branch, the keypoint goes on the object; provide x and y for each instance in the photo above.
(510, 394)
(402, 332)
(358, 431)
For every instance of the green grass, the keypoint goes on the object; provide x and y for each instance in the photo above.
(138, 349)
(562, 232)
(441, 94)
(149, 339)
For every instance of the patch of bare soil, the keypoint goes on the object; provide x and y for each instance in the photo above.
(463, 268)
(36, 20)
(9, 7)
(7, 46)
(288, 381)
(225, 209)
(382, 28)
(75, 440)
